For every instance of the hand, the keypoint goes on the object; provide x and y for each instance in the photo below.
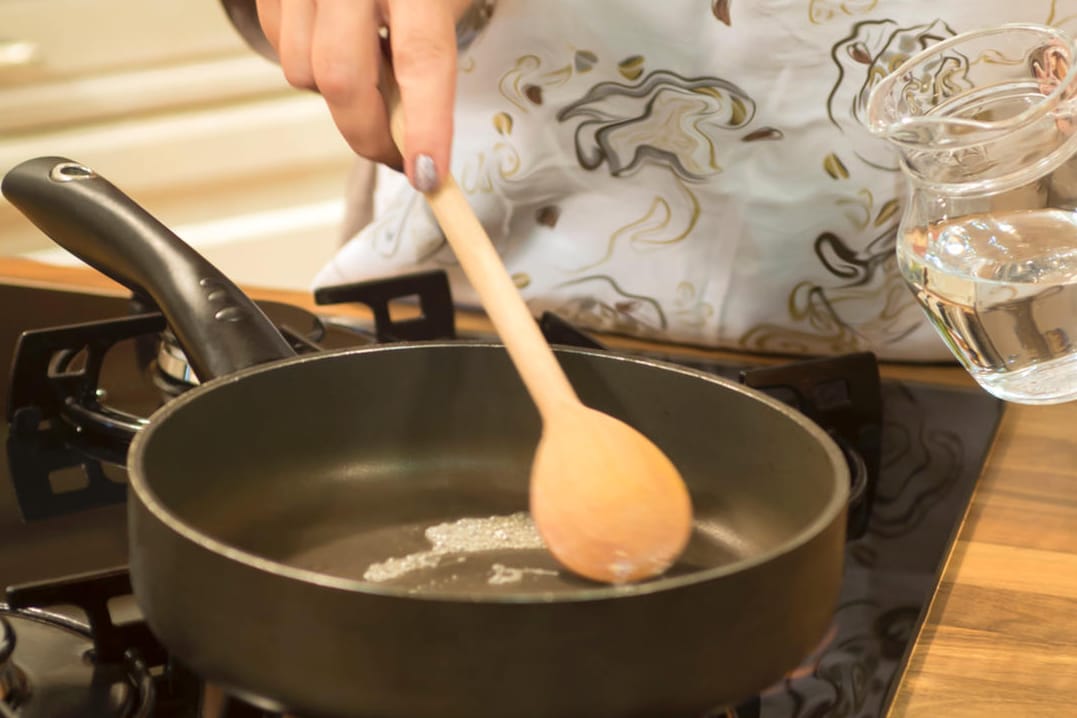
(334, 48)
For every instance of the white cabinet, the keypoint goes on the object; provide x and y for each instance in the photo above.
(164, 98)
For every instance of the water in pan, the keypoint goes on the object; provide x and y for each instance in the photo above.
(490, 554)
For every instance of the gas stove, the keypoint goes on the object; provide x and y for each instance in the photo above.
(90, 369)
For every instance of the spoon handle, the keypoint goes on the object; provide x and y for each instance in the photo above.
(519, 332)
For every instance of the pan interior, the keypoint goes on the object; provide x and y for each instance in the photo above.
(452, 528)
(406, 469)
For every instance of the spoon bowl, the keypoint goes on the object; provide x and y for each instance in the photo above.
(607, 502)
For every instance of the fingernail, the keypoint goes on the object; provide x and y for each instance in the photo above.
(426, 174)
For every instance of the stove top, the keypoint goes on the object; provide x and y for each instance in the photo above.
(63, 528)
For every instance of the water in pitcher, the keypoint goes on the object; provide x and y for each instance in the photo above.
(1001, 289)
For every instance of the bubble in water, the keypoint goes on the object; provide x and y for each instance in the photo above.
(501, 574)
(464, 536)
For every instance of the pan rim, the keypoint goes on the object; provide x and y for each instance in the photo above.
(151, 502)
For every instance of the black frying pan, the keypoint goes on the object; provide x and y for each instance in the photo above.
(345, 534)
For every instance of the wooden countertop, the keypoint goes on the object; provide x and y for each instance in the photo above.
(1001, 634)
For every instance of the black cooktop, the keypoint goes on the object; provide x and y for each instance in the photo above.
(62, 510)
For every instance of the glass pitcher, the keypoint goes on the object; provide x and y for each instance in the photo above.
(985, 124)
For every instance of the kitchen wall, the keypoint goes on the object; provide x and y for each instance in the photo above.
(163, 98)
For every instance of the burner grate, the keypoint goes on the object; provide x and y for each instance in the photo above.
(429, 290)
(106, 668)
(56, 375)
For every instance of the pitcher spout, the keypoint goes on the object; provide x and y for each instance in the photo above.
(974, 108)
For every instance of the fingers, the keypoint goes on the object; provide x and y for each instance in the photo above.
(294, 46)
(345, 57)
(333, 46)
(423, 38)
(269, 19)
(287, 27)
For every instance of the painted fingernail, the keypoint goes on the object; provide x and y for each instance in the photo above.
(426, 174)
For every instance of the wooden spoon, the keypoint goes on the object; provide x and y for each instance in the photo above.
(609, 505)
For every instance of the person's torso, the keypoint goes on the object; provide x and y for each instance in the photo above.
(689, 171)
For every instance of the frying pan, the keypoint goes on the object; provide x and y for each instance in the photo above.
(345, 534)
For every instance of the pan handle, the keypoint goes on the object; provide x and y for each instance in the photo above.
(219, 327)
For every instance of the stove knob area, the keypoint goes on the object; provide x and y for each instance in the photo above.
(48, 670)
(13, 686)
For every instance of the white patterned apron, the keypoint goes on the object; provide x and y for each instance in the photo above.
(687, 171)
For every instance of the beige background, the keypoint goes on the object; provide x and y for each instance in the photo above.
(163, 98)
